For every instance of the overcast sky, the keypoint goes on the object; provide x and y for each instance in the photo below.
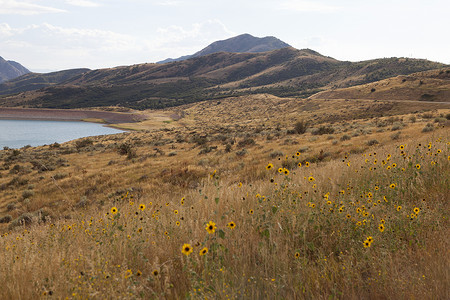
(64, 34)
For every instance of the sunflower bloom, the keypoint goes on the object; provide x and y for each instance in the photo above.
(187, 249)
(416, 210)
(211, 227)
(203, 251)
(381, 227)
(114, 210)
(269, 166)
(142, 207)
(231, 225)
(418, 166)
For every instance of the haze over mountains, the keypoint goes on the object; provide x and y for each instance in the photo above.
(225, 68)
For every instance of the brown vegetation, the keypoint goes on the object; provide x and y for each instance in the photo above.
(429, 86)
(292, 210)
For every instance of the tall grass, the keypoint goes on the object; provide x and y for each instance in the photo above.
(371, 225)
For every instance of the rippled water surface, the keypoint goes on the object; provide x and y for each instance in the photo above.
(19, 133)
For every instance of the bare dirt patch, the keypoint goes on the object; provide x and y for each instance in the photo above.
(69, 115)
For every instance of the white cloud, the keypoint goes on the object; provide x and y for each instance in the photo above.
(14, 7)
(82, 3)
(5, 30)
(46, 46)
(306, 6)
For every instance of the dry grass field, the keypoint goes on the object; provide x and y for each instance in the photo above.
(244, 198)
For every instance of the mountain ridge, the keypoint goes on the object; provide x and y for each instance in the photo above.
(286, 72)
(10, 69)
(34, 81)
(283, 72)
(244, 43)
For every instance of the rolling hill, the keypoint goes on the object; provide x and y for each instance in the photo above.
(10, 69)
(286, 72)
(428, 86)
(35, 81)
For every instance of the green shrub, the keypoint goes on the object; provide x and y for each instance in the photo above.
(345, 137)
(429, 127)
(323, 130)
(372, 142)
(126, 149)
(6, 219)
(300, 127)
(83, 143)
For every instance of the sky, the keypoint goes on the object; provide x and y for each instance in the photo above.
(50, 35)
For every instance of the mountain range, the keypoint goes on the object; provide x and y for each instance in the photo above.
(10, 69)
(232, 71)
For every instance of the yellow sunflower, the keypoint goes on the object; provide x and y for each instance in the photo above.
(203, 251)
(187, 249)
(211, 227)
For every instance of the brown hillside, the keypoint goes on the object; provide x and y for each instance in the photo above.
(430, 86)
(286, 72)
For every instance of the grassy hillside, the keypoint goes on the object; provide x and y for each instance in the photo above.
(248, 197)
(35, 81)
(431, 86)
(287, 72)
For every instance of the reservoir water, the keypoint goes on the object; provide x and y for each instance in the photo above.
(19, 133)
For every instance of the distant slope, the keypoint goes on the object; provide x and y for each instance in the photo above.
(35, 81)
(284, 72)
(431, 86)
(244, 43)
(11, 69)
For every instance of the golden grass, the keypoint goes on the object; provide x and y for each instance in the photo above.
(116, 226)
(431, 86)
(94, 120)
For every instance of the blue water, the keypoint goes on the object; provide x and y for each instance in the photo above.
(19, 133)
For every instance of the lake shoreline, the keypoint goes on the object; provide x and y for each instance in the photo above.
(16, 134)
(94, 116)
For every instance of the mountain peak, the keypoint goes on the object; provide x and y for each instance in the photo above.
(10, 69)
(244, 43)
